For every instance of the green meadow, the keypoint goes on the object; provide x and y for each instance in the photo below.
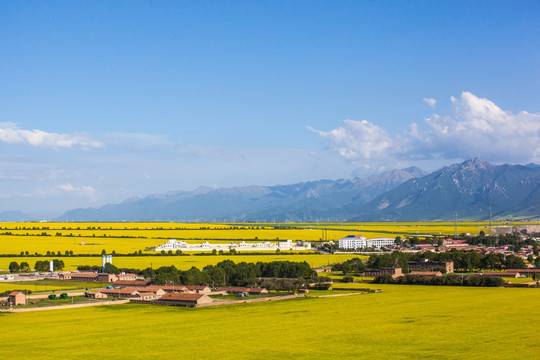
(402, 322)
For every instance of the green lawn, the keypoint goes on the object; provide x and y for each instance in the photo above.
(402, 322)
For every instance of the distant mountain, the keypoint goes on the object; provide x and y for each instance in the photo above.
(466, 188)
(14, 216)
(297, 202)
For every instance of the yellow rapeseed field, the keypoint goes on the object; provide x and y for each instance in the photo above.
(92, 238)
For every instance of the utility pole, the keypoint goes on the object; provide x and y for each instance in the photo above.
(455, 224)
(490, 228)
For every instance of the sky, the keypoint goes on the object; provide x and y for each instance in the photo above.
(101, 101)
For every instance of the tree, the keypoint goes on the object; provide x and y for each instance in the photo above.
(58, 265)
(14, 267)
(41, 266)
(24, 266)
(111, 269)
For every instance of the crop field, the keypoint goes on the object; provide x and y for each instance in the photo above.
(92, 238)
(45, 285)
(402, 322)
(182, 262)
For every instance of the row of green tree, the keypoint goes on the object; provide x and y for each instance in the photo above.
(40, 266)
(448, 280)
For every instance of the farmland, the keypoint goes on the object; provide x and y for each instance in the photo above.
(46, 285)
(433, 322)
(182, 262)
(92, 238)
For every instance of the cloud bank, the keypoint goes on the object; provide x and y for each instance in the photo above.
(473, 127)
(11, 134)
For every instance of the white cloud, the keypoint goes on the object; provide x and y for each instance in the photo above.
(359, 140)
(430, 101)
(11, 134)
(474, 127)
(84, 190)
(478, 127)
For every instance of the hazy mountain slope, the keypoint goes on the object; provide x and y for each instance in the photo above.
(302, 201)
(465, 188)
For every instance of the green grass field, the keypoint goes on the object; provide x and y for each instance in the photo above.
(402, 322)
(181, 262)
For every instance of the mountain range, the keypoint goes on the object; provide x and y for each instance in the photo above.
(467, 189)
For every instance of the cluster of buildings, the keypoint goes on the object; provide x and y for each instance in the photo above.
(174, 245)
(357, 242)
(93, 277)
(174, 295)
(420, 268)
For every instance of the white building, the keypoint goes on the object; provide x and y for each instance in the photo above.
(173, 244)
(285, 244)
(352, 242)
(380, 242)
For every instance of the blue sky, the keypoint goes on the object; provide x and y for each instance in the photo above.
(100, 101)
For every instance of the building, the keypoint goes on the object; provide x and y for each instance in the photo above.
(106, 278)
(198, 289)
(16, 298)
(352, 242)
(183, 299)
(120, 292)
(236, 290)
(132, 283)
(83, 276)
(394, 272)
(426, 265)
(95, 295)
(426, 273)
(380, 242)
(286, 244)
(173, 244)
(127, 277)
(500, 274)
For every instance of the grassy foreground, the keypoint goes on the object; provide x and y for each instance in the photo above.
(403, 322)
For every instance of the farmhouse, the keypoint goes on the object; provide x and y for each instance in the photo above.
(132, 283)
(120, 292)
(426, 265)
(394, 272)
(188, 300)
(197, 289)
(250, 291)
(127, 277)
(500, 274)
(83, 276)
(106, 278)
(95, 295)
(426, 273)
(16, 298)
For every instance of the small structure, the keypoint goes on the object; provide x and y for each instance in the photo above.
(106, 278)
(120, 292)
(127, 277)
(236, 290)
(95, 295)
(500, 274)
(426, 265)
(132, 283)
(426, 273)
(16, 298)
(394, 272)
(188, 300)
